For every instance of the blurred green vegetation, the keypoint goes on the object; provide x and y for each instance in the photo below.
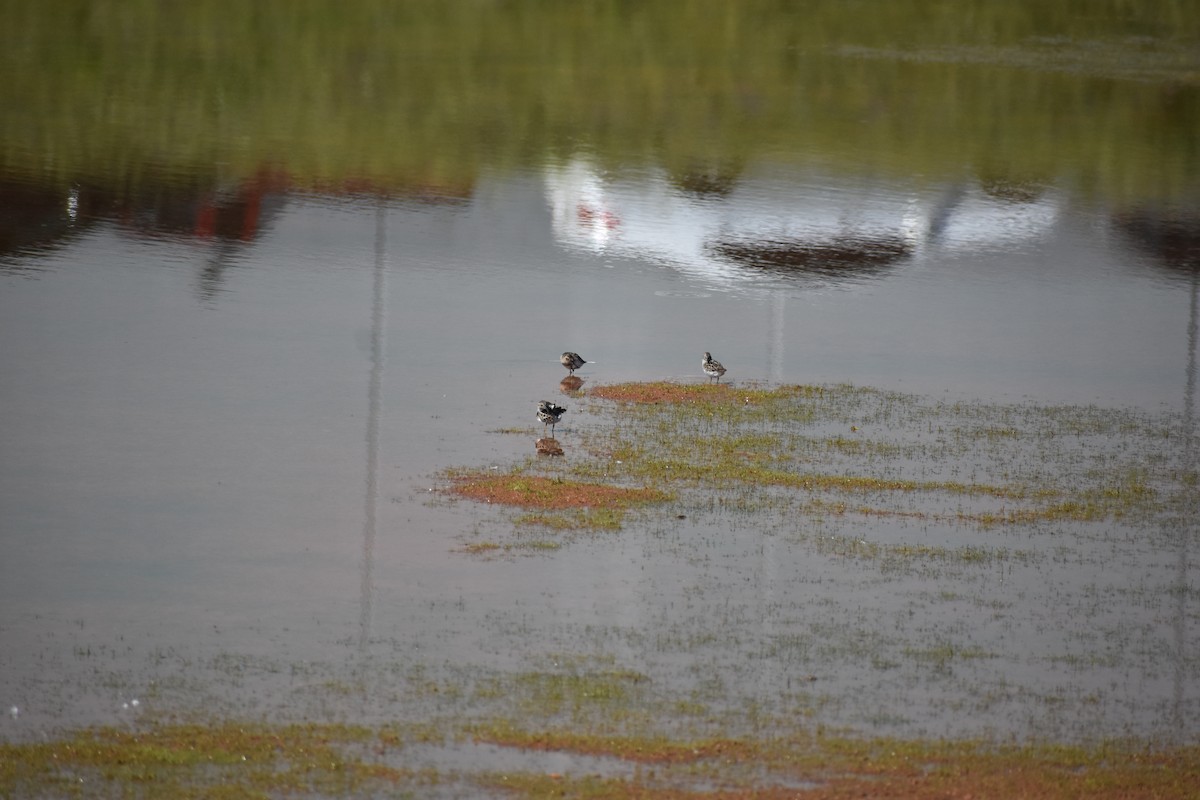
(396, 96)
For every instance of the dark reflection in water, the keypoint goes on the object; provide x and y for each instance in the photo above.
(715, 182)
(1173, 241)
(717, 221)
(238, 213)
(1011, 189)
(843, 259)
(35, 221)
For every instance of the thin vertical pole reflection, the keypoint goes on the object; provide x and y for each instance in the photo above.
(374, 402)
(1189, 510)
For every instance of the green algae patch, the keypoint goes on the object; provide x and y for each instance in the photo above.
(540, 492)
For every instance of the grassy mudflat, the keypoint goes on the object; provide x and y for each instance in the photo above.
(930, 564)
(538, 492)
(846, 592)
(254, 760)
(838, 450)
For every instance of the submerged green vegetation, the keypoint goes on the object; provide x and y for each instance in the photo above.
(211, 761)
(331, 760)
(673, 708)
(427, 96)
(841, 450)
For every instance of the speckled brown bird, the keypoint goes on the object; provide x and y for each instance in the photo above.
(572, 361)
(712, 368)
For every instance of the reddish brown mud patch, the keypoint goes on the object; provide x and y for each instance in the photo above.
(532, 491)
(664, 392)
(712, 394)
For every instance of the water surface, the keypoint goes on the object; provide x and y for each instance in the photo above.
(244, 335)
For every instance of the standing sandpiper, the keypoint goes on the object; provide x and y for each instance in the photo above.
(712, 369)
(572, 361)
(548, 414)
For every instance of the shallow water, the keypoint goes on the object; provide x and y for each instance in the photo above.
(225, 410)
(247, 450)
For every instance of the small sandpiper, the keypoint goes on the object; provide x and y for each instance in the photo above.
(712, 369)
(548, 414)
(572, 361)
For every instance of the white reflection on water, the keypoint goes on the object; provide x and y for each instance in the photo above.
(792, 230)
(993, 288)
